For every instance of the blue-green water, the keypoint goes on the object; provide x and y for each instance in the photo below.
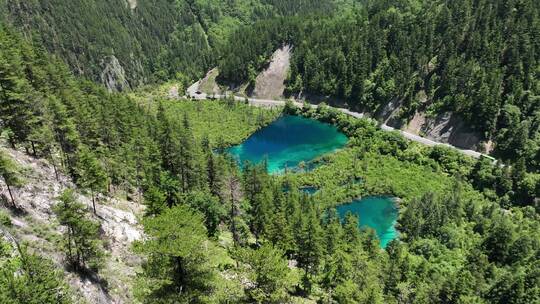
(379, 213)
(288, 141)
(310, 190)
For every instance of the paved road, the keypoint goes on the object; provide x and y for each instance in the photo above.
(193, 93)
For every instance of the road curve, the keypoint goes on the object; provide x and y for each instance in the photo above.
(192, 92)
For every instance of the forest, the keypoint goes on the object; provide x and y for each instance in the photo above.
(477, 59)
(142, 42)
(468, 228)
(222, 232)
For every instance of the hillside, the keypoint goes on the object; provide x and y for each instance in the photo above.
(125, 44)
(472, 65)
(34, 222)
(108, 196)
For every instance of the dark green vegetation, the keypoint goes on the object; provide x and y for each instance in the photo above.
(81, 237)
(29, 278)
(156, 40)
(217, 234)
(478, 59)
(10, 176)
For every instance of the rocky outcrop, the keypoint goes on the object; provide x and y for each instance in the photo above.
(35, 222)
(450, 128)
(270, 83)
(208, 84)
(132, 4)
(113, 75)
(446, 127)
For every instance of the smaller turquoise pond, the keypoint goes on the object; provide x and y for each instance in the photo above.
(288, 141)
(379, 213)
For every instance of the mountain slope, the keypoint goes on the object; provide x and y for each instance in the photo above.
(34, 223)
(124, 44)
(477, 61)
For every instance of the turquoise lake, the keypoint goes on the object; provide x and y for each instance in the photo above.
(379, 213)
(288, 141)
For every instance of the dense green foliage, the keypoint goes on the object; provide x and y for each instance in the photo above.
(478, 59)
(26, 278)
(177, 269)
(384, 162)
(89, 32)
(155, 40)
(267, 268)
(218, 234)
(10, 175)
(82, 246)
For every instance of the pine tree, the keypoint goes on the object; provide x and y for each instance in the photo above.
(10, 174)
(278, 229)
(210, 206)
(91, 173)
(267, 270)
(214, 171)
(189, 161)
(65, 133)
(155, 201)
(168, 144)
(82, 245)
(16, 95)
(259, 196)
(310, 242)
(29, 278)
(177, 268)
(232, 194)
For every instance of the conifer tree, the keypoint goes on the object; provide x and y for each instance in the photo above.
(65, 133)
(232, 194)
(82, 245)
(214, 212)
(16, 95)
(214, 169)
(268, 272)
(310, 244)
(177, 268)
(26, 277)
(10, 175)
(92, 176)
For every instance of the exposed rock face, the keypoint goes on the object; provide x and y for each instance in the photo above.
(113, 75)
(208, 84)
(450, 128)
(132, 4)
(388, 114)
(270, 84)
(117, 218)
(445, 128)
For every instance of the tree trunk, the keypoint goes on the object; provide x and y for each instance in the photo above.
(55, 172)
(11, 195)
(70, 253)
(94, 202)
(78, 264)
(33, 148)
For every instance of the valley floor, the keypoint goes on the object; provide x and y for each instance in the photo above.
(193, 92)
